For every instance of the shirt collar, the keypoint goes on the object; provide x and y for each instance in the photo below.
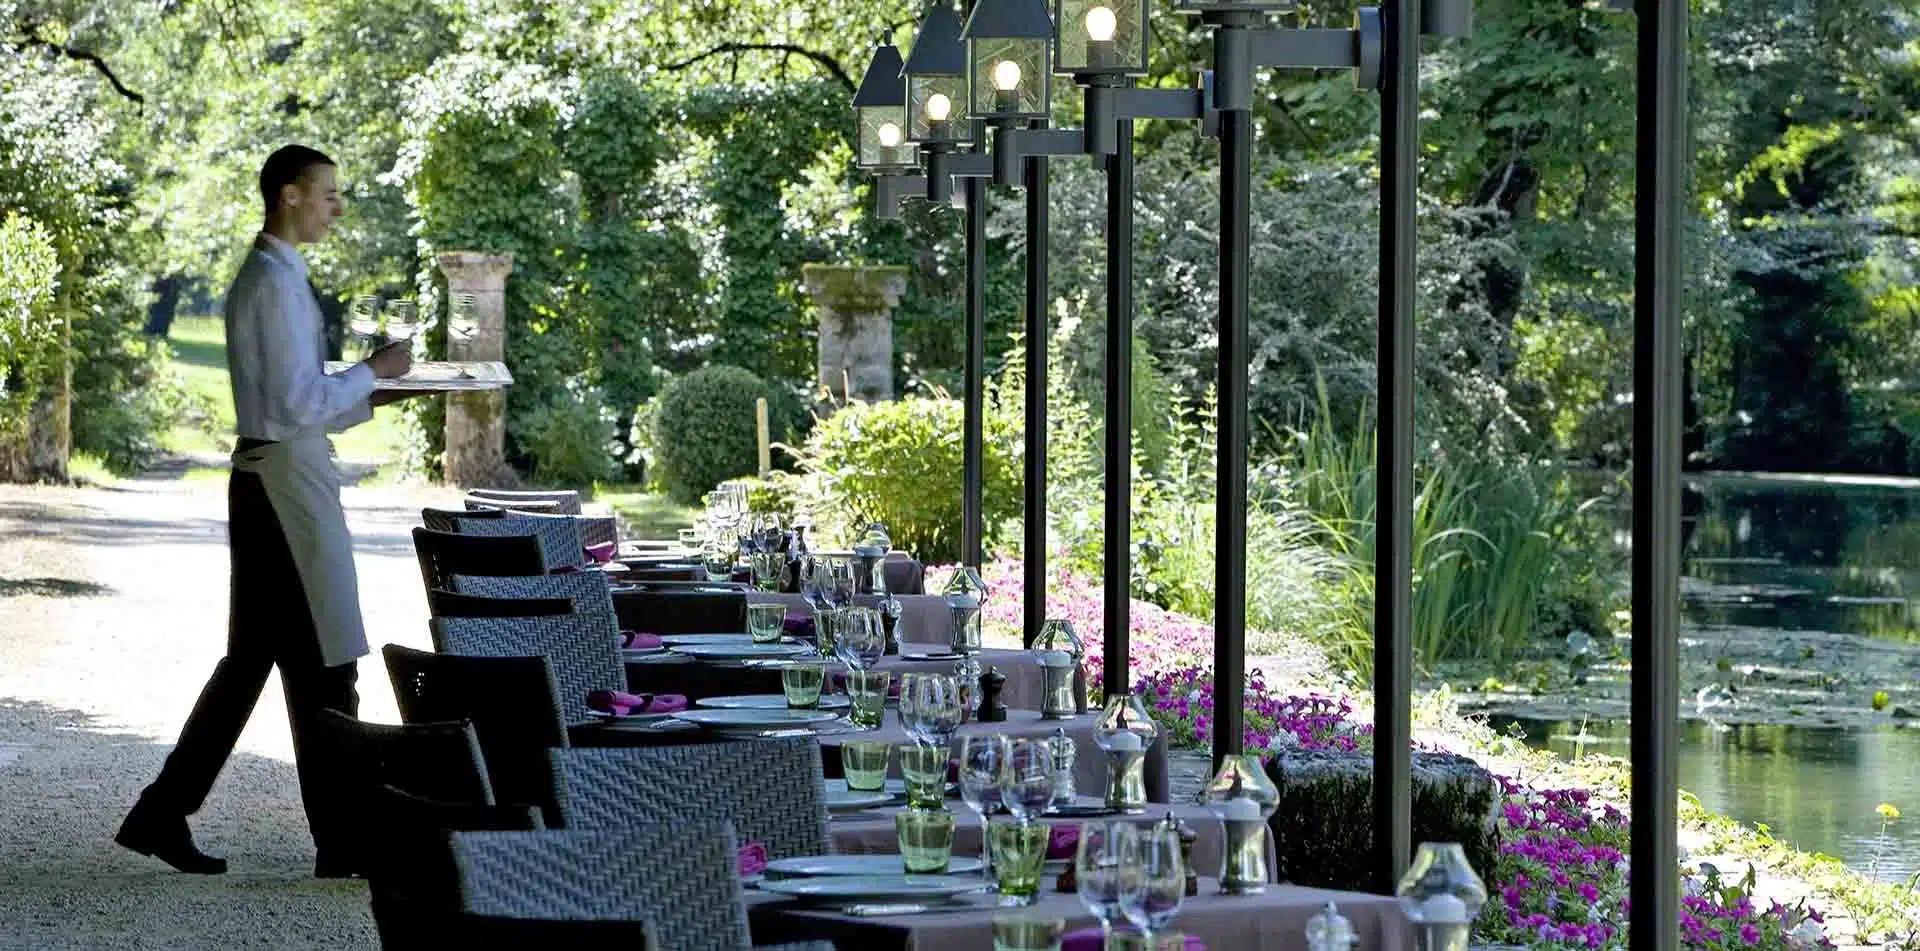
(287, 253)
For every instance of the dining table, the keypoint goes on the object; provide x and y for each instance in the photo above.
(871, 831)
(1089, 764)
(1274, 920)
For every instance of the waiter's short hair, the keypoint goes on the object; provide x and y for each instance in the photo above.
(286, 166)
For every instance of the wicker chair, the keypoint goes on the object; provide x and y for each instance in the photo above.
(411, 882)
(559, 537)
(454, 604)
(445, 554)
(586, 591)
(770, 790)
(445, 520)
(512, 702)
(563, 501)
(439, 761)
(683, 881)
(681, 612)
(578, 648)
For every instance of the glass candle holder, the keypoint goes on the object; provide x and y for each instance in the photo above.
(1124, 733)
(1442, 896)
(1019, 855)
(1243, 798)
(924, 767)
(864, 762)
(766, 622)
(926, 840)
(1026, 932)
(801, 683)
(867, 690)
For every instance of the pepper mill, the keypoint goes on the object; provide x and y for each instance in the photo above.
(991, 683)
(1187, 838)
(1331, 931)
(967, 671)
(1060, 747)
(1069, 880)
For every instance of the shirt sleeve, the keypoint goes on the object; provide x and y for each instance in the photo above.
(297, 391)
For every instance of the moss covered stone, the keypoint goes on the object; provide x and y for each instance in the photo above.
(1322, 831)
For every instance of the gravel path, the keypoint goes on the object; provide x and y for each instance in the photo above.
(112, 614)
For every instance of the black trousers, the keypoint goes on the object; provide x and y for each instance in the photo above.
(269, 625)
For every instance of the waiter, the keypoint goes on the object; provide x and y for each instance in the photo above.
(295, 604)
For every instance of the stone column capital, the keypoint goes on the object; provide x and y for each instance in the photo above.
(857, 288)
(471, 268)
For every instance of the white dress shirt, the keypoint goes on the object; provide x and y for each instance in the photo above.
(275, 355)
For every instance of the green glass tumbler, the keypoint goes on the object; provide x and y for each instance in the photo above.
(801, 683)
(1026, 932)
(865, 764)
(1019, 854)
(766, 622)
(926, 840)
(867, 689)
(924, 767)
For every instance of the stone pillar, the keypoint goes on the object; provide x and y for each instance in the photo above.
(856, 327)
(477, 422)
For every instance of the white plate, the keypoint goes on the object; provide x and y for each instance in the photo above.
(741, 651)
(766, 701)
(845, 888)
(847, 800)
(643, 651)
(682, 640)
(756, 719)
(869, 865)
(838, 787)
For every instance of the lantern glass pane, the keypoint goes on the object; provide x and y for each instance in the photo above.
(1078, 22)
(920, 91)
(874, 153)
(1028, 56)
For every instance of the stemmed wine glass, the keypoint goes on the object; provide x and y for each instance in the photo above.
(983, 761)
(930, 707)
(363, 322)
(1103, 851)
(862, 638)
(1153, 881)
(1027, 783)
(403, 319)
(816, 586)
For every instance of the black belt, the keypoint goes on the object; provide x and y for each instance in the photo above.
(248, 444)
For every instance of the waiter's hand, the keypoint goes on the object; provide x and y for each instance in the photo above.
(392, 360)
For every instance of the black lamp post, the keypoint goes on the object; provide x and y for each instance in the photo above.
(937, 96)
(1102, 44)
(1010, 52)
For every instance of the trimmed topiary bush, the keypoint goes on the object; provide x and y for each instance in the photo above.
(704, 430)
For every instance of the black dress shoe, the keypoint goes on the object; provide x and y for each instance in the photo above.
(168, 839)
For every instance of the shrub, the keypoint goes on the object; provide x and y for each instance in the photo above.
(704, 431)
(571, 438)
(29, 325)
(898, 462)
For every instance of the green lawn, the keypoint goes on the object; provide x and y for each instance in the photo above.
(200, 352)
(647, 515)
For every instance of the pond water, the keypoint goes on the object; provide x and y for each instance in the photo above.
(1832, 554)
(1814, 788)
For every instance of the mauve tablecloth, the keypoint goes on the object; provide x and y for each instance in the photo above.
(1089, 766)
(1273, 921)
(871, 832)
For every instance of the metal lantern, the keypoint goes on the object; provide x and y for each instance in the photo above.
(1442, 896)
(1100, 37)
(881, 107)
(1243, 798)
(1125, 732)
(1009, 58)
(936, 77)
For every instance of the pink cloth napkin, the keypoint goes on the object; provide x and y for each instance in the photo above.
(638, 640)
(620, 703)
(753, 859)
(1063, 841)
(1091, 939)
(602, 553)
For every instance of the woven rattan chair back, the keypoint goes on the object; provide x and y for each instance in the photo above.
(560, 501)
(578, 648)
(445, 554)
(559, 537)
(414, 890)
(682, 880)
(445, 520)
(587, 591)
(439, 760)
(512, 702)
(771, 790)
(681, 612)
(441, 603)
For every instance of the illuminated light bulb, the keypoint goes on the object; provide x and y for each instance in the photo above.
(939, 107)
(1006, 75)
(1101, 24)
(889, 135)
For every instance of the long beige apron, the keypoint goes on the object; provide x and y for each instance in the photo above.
(304, 487)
